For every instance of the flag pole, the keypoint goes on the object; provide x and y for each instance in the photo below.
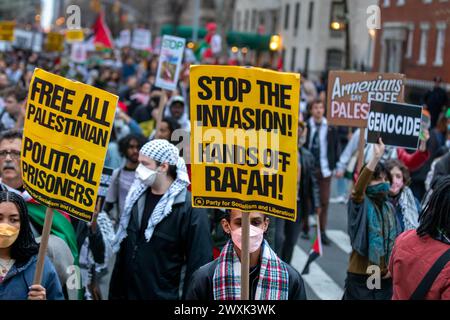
(245, 256)
(43, 246)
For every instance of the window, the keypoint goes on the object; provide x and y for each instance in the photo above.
(293, 54)
(247, 13)
(409, 45)
(306, 66)
(424, 28)
(427, 1)
(310, 15)
(296, 20)
(440, 43)
(237, 25)
(286, 17)
(334, 59)
(253, 26)
(386, 3)
(400, 3)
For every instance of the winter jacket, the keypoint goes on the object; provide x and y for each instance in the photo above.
(152, 270)
(332, 145)
(201, 287)
(309, 189)
(441, 169)
(16, 284)
(411, 259)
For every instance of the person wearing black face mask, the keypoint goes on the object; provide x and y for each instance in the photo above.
(372, 229)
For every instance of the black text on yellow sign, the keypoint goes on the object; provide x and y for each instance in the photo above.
(7, 30)
(244, 139)
(66, 134)
(55, 42)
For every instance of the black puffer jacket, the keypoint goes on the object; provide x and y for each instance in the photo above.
(308, 194)
(152, 270)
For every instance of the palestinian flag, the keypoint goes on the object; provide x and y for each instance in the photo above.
(102, 34)
(61, 225)
(316, 250)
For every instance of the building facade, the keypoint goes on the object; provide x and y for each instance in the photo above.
(415, 40)
(313, 44)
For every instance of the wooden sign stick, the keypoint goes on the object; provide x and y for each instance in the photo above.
(43, 246)
(245, 256)
(361, 144)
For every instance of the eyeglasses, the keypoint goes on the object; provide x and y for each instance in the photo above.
(14, 154)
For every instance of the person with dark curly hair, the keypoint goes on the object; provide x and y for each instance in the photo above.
(420, 260)
(18, 255)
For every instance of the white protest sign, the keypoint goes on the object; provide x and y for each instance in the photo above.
(170, 59)
(79, 52)
(141, 39)
(125, 38)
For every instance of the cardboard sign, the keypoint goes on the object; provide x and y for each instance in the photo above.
(55, 42)
(66, 134)
(7, 30)
(170, 60)
(142, 39)
(398, 124)
(244, 139)
(350, 93)
(74, 35)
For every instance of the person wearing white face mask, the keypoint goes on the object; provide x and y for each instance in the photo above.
(270, 277)
(159, 232)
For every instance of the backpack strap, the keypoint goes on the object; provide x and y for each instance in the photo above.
(427, 281)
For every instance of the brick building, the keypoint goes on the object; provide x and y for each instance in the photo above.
(414, 39)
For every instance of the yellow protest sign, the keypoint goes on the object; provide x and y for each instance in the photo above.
(7, 30)
(66, 134)
(55, 42)
(74, 35)
(244, 139)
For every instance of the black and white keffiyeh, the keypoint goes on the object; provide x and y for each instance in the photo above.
(163, 152)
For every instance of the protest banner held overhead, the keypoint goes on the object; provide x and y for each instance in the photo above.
(55, 42)
(350, 93)
(170, 60)
(7, 30)
(74, 35)
(398, 124)
(244, 139)
(141, 40)
(66, 134)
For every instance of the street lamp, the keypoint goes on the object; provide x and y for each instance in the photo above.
(275, 42)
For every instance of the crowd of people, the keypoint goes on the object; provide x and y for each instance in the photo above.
(148, 242)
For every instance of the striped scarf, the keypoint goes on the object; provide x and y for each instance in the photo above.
(273, 282)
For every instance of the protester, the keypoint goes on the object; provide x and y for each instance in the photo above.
(406, 206)
(270, 278)
(18, 255)
(287, 232)
(436, 99)
(123, 177)
(11, 178)
(13, 113)
(372, 230)
(322, 142)
(159, 231)
(177, 110)
(419, 262)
